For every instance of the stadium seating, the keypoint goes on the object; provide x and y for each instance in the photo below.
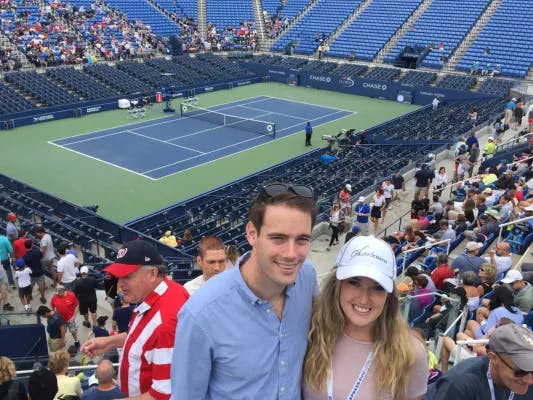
(229, 13)
(351, 70)
(507, 46)
(148, 14)
(117, 79)
(318, 23)
(444, 22)
(383, 74)
(372, 29)
(498, 87)
(457, 82)
(418, 78)
(184, 8)
(41, 88)
(86, 86)
(12, 102)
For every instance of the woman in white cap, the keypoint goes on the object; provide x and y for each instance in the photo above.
(359, 345)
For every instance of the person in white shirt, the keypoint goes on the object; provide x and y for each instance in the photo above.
(500, 257)
(67, 267)
(211, 259)
(388, 190)
(23, 277)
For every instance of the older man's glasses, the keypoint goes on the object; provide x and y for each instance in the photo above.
(518, 373)
(276, 189)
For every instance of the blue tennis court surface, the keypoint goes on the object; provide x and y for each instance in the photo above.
(156, 149)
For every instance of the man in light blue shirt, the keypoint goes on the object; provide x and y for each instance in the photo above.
(243, 335)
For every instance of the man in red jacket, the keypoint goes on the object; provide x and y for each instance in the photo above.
(442, 272)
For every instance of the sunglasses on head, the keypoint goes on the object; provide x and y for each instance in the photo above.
(518, 373)
(276, 189)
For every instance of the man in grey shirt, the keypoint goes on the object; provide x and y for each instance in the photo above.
(470, 261)
(49, 254)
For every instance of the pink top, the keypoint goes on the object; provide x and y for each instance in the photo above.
(348, 358)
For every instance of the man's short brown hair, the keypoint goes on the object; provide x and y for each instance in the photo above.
(209, 243)
(258, 207)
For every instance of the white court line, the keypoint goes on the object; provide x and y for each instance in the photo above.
(275, 112)
(102, 161)
(212, 129)
(234, 144)
(311, 104)
(162, 141)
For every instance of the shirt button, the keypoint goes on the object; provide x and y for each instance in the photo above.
(268, 310)
(282, 389)
(282, 362)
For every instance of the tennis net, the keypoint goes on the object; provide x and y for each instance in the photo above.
(232, 121)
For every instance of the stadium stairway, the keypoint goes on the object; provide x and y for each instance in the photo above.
(400, 32)
(472, 35)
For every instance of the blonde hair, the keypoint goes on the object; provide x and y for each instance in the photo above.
(393, 353)
(58, 361)
(7, 370)
(490, 272)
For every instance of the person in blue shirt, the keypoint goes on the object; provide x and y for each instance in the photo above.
(244, 332)
(106, 389)
(362, 212)
(308, 133)
(6, 255)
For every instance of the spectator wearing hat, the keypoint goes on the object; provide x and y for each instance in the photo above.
(42, 385)
(67, 270)
(505, 372)
(362, 213)
(85, 291)
(106, 389)
(6, 255)
(12, 232)
(23, 278)
(522, 290)
(352, 233)
(32, 259)
(500, 257)
(487, 225)
(66, 305)
(148, 346)
(55, 327)
(169, 239)
(357, 331)
(211, 259)
(469, 261)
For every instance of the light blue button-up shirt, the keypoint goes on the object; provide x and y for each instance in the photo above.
(231, 345)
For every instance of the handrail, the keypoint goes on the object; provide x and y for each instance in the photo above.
(73, 368)
(426, 245)
(515, 221)
(515, 139)
(398, 220)
(519, 161)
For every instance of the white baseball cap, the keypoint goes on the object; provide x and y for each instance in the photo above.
(361, 199)
(84, 270)
(370, 257)
(512, 276)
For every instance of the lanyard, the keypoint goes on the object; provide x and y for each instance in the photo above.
(358, 382)
(491, 386)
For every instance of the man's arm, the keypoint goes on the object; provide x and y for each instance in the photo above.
(100, 345)
(192, 364)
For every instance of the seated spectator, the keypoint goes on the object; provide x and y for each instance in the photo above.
(67, 386)
(436, 208)
(460, 224)
(169, 239)
(413, 271)
(500, 257)
(522, 290)
(186, 239)
(468, 282)
(442, 272)
(487, 276)
(9, 388)
(42, 385)
(509, 364)
(423, 221)
(439, 319)
(487, 225)
(446, 231)
(469, 261)
(106, 388)
(500, 306)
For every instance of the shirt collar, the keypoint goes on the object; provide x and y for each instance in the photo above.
(152, 297)
(243, 287)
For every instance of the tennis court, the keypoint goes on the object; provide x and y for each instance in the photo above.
(157, 149)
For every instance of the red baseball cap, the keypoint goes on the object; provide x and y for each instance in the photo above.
(133, 256)
(11, 216)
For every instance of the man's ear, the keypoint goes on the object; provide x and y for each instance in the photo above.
(251, 233)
